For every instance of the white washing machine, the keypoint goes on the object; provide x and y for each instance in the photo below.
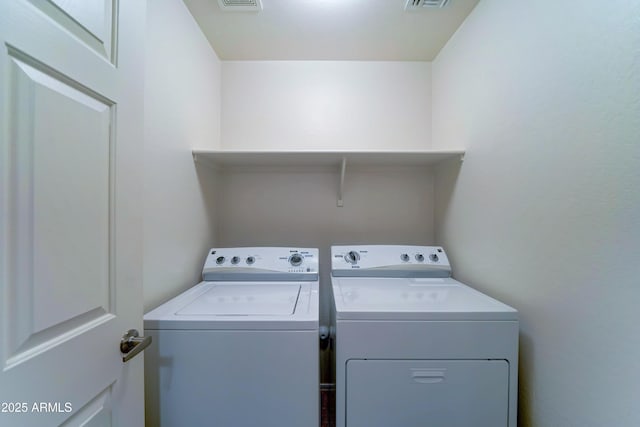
(239, 348)
(415, 347)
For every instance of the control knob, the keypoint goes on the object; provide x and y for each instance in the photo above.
(352, 257)
(235, 260)
(250, 260)
(419, 257)
(404, 257)
(220, 260)
(434, 257)
(295, 260)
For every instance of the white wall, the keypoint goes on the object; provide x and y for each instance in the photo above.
(545, 211)
(326, 105)
(182, 110)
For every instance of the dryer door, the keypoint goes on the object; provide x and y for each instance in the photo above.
(452, 393)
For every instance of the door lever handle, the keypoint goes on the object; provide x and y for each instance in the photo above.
(132, 344)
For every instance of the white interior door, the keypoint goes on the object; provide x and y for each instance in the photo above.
(71, 108)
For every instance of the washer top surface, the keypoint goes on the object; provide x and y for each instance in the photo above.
(247, 299)
(240, 305)
(247, 288)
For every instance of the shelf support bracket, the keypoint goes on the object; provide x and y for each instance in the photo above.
(341, 188)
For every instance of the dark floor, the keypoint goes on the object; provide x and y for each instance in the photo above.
(328, 407)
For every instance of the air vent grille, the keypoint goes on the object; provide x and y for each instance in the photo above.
(240, 5)
(419, 4)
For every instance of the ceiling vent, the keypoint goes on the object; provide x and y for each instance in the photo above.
(421, 4)
(240, 5)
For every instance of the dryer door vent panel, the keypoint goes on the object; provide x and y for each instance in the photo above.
(452, 393)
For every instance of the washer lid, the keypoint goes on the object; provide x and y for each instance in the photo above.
(414, 299)
(244, 300)
(240, 306)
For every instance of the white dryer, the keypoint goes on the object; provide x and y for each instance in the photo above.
(415, 347)
(239, 348)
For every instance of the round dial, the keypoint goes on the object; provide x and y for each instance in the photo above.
(352, 257)
(419, 257)
(235, 260)
(434, 257)
(404, 257)
(250, 260)
(220, 260)
(295, 260)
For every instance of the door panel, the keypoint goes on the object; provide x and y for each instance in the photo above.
(95, 413)
(91, 21)
(70, 231)
(61, 182)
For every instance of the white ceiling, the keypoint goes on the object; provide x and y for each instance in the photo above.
(360, 30)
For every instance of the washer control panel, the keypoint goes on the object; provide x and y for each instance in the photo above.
(254, 263)
(389, 261)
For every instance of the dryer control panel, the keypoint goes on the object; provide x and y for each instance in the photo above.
(261, 264)
(389, 261)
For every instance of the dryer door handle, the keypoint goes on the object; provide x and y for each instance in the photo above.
(428, 376)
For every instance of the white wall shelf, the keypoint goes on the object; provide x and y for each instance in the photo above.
(236, 158)
(339, 159)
